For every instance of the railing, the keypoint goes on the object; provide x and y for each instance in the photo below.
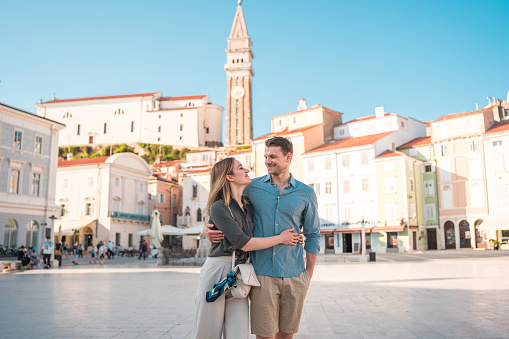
(130, 216)
(183, 220)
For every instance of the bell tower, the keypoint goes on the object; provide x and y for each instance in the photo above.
(239, 74)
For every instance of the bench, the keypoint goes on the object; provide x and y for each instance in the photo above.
(11, 265)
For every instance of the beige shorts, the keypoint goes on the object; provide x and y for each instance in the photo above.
(276, 306)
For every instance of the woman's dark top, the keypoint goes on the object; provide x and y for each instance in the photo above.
(237, 230)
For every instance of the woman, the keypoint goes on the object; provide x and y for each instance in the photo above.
(232, 214)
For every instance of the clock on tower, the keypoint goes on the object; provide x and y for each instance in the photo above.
(239, 74)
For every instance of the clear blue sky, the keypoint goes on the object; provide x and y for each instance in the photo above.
(421, 59)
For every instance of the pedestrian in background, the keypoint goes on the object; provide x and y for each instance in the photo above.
(58, 252)
(65, 248)
(47, 250)
(101, 251)
(92, 253)
(75, 253)
(143, 250)
(80, 250)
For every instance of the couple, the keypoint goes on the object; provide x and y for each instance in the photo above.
(258, 219)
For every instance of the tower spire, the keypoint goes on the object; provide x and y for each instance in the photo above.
(239, 73)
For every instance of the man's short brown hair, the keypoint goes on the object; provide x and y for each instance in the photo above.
(285, 144)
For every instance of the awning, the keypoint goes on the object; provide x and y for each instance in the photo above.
(70, 225)
(413, 227)
(196, 230)
(388, 229)
(495, 222)
(353, 230)
(171, 230)
(326, 231)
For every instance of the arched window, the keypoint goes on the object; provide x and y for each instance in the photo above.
(450, 235)
(188, 211)
(198, 215)
(32, 233)
(233, 61)
(10, 233)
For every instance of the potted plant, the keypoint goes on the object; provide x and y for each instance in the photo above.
(496, 244)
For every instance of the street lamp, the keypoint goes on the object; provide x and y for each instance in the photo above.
(363, 257)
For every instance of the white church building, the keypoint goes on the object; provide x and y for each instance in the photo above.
(185, 121)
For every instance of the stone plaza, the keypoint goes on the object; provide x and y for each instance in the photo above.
(423, 295)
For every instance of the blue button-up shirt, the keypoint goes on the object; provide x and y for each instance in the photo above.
(273, 213)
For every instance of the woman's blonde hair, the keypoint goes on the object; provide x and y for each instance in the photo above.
(220, 187)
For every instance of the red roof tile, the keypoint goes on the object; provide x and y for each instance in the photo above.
(499, 127)
(305, 110)
(367, 118)
(203, 150)
(198, 171)
(185, 97)
(463, 114)
(417, 142)
(389, 153)
(350, 142)
(240, 152)
(85, 161)
(102, 98)
(286, 132)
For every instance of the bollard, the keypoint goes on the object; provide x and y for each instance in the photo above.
(372, 256)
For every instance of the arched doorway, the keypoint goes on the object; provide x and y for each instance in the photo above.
(32, 233)
(464, 234)
(10, 234)
(88, 235)
(480, 236)
(450, 235)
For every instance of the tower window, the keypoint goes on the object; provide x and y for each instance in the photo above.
(132, 126)
(233, 61)
(78, 131)
(159, 129)
(241, 60)
(105, 127)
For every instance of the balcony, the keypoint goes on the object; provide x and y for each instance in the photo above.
(129, 216)
(184, 220)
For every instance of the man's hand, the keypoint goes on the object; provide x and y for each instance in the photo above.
(214, 236)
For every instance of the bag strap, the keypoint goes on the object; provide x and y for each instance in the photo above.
(233, 256)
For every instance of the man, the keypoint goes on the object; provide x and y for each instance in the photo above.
(143, 250)
(47, 250)
(280, 201)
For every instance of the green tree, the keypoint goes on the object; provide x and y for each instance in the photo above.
(123, 149)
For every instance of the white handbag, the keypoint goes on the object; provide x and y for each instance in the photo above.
(246, 277)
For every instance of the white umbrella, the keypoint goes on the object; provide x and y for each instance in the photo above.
(145, 232)
(156, 237)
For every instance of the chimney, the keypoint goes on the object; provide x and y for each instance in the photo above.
(158, 159)
(302, 105)
(379, 112)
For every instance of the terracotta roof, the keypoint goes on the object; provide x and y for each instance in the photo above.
(350, 142)
(159, 177)
(389, 153)
(85, 161)
(32, 115)
(305, 110)
(198, 171)
(463, 114)
(367, 118)
(240, 152)
(203, 150)
(286, 132)
(102, 98)
(417, 142)
(499, 127)
(184, 97)
(167, 163)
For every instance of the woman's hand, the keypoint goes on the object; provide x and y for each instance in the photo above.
(301, 239)
(288, 237)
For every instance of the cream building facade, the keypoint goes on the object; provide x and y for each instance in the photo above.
(344, 176)
(103, 199)
(181, 121)
(307, 128)
(28, 163)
